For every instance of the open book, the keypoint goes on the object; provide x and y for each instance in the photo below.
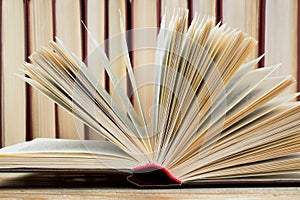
(213, 117)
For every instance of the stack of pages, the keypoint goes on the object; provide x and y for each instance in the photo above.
(214, 117)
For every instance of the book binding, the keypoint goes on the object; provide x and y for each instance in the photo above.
(152, 175)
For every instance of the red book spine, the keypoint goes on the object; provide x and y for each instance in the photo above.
(152, 175)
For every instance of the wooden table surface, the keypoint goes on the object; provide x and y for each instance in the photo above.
(162, 194)
(46, 186)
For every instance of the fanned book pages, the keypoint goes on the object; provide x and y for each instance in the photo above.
(215, 118)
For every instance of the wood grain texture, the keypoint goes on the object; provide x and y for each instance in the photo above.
(161, 194)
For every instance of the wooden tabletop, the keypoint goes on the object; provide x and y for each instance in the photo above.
(161, 194)
(46, 186)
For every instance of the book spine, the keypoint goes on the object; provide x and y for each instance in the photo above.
(144, 53)
(94, 18)
(68, 29)
(243, 15)
(117, 63)
(150, 167)
(169, 6)
(203, 8)
(13, 88)
(281, 37)
(41, 111)
(152, 175)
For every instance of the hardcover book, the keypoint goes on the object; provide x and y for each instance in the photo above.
(215, 118)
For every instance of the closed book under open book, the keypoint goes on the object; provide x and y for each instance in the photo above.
(214, 120)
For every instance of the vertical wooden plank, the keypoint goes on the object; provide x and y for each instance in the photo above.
(42, 121)
(243, 15)
(68, 29)
(281, 37)
(96, 24)
(13, 88)
(204, 8)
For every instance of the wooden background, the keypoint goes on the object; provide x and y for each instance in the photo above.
(26, 25)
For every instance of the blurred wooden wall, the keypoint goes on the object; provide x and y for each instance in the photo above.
(27, 25)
